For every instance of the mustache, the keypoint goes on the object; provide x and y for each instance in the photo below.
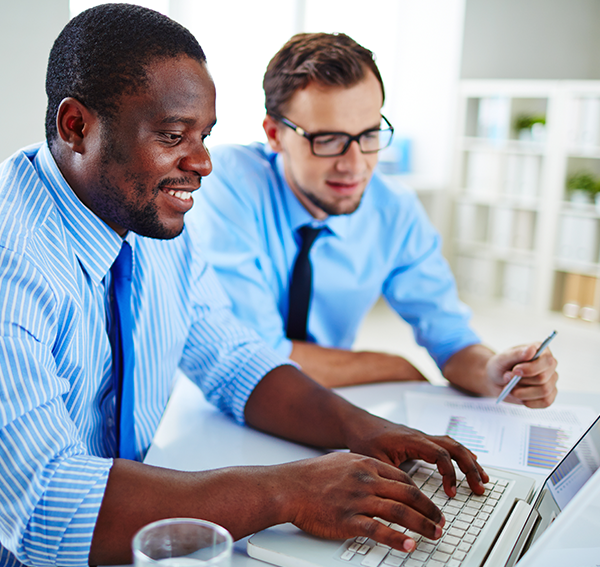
(179, 181)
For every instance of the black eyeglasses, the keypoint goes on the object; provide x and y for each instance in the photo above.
(332, 144)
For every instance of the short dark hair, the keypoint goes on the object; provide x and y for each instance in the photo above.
(103, 53)
(327, 59)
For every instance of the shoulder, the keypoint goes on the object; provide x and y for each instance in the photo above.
(254, 155)
(242, 177)
(25, 204)
(393, 202)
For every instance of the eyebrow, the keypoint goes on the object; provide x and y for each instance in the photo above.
(183, 120)
(319, 132)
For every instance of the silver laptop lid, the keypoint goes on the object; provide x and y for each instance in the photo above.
(567, 479)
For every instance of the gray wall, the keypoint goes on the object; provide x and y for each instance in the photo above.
(531, 39)
(27, 30)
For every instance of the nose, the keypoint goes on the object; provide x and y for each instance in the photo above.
(352, 159)
(196, 160)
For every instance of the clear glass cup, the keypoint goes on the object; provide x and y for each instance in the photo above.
(182, 542)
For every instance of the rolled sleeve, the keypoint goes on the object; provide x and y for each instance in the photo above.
(224, 357)
(422, 290)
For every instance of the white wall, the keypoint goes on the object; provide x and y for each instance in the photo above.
(417, 45)
(531, 39)
(28, 29)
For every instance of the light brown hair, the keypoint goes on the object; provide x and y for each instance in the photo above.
(327, 59)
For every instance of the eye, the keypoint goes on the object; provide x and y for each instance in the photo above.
(328, 140)
(170, 137)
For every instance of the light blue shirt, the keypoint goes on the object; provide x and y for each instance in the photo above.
(247, 220)
(57, 403)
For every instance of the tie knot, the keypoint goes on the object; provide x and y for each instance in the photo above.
(122, 266)
(308, 235)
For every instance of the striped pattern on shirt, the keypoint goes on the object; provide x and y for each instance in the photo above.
(57, 404)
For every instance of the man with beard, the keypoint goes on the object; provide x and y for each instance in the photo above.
(306, 236)
(103, 297)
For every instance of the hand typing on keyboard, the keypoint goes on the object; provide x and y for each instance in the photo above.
(349, 494)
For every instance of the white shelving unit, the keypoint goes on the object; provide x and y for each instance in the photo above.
(514, 235)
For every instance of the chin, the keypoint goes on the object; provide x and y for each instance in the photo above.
(159, 231)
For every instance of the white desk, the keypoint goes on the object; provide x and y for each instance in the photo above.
(193, 435)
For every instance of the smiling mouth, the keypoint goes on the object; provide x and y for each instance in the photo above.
(183, 195)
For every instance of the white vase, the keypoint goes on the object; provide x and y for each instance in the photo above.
(579, 198)
(597, 202)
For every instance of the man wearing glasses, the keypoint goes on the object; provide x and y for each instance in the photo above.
(306, 236)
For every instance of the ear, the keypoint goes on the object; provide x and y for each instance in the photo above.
(273, 131)
(74, 122)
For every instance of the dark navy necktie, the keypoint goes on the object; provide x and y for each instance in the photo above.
(301, 286)
(123, 353)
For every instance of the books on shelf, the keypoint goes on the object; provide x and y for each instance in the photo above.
(577, 239)
(581, 296)
(522, 176)
(502, 228)
(517, 283)
(475, 276)
(524, 229)
(471, 222)
(584, 122)
(493, 118)
(483, 172)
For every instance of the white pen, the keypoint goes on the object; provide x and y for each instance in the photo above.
(515, 379)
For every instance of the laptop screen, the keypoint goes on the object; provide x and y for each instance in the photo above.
(576, 468)
(569, 476)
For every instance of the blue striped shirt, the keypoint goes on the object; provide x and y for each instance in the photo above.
(57, 403)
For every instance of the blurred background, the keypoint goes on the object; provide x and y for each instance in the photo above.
(496, 109)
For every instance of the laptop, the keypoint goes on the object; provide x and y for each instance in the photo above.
(491, 530)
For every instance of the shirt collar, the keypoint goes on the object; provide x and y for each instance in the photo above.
(338, 225)
(96, 245)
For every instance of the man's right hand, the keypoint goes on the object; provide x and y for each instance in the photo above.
(339, 495)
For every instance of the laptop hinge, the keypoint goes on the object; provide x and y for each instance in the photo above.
(513, 536)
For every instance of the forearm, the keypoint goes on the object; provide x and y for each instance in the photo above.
(241, 499)
(336, 367)
(467, 369)
(288, 404)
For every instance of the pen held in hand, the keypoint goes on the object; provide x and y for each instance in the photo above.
(515, 379)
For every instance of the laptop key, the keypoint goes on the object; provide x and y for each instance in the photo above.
(426, 547)
(456, 532)
(393, 560)
(374, 557)
(347, 555)
(440, 556)
(446, 548)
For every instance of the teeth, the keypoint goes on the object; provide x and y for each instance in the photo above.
(183, 195)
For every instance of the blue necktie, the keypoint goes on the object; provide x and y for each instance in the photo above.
(123, 354)
(301, 286)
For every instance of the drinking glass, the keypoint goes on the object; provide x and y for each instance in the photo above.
(182, 542)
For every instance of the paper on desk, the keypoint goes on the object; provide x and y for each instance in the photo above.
(501, 435)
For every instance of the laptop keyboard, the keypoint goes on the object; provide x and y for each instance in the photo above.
(465, 514)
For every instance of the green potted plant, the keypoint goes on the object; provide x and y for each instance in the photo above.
(531, 127)
(582, 188)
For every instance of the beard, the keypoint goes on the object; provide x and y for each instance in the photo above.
(333, 209)
(135, 210)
